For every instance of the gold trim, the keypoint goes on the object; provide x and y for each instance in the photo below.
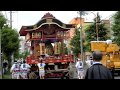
(47, 23)
(48, 20)
(51, 64)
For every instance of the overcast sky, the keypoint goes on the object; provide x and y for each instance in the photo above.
(23, 18)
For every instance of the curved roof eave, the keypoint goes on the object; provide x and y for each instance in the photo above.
(45, 24)
(47, 21)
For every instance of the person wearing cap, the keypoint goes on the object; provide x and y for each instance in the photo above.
(97, 70)
(79, 67)
(41, 67)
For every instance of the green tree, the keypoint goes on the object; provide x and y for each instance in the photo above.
(2, 21)
(2, 24)
(116, 27)
(10, 42)
(90, 33)
(75, 43)
(24, 54)
(16, 54)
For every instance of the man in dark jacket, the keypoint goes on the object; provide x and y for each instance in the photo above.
(97, 70)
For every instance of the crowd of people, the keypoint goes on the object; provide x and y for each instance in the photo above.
(22, 70)
(95, 70)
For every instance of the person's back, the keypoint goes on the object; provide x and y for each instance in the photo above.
(14, 68)
(25, 66)
(97, 70)
(79, 65)
(15, 71)
(24, 70)
(80, 70)
(41, 67)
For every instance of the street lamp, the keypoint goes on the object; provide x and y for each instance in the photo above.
(96, 24)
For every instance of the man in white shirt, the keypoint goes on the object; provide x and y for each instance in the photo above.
(79, 67)
(41, 67)
(25, 68)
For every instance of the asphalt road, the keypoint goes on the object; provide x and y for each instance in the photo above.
(85, 68)
(117, 77)
(73, 69)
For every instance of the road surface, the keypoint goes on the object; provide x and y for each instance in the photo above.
(85, 68)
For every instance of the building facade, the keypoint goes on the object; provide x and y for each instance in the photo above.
(76, 21)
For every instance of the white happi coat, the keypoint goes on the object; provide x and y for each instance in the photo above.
(80, 69)
(24, 70)
(15, 70)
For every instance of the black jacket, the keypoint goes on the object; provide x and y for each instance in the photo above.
(98, 71)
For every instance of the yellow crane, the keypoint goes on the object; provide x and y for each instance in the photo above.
(111, 53)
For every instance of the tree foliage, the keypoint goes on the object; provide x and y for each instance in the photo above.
(2, 20)
(90, 33)
(75, 43)
(116, 27)
(9, 40)
(24, 54)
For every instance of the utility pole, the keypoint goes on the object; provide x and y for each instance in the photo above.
(0, 57)
(0, 53)
(12, 57)
(11, 19)
(97, 26)
(81, 41)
